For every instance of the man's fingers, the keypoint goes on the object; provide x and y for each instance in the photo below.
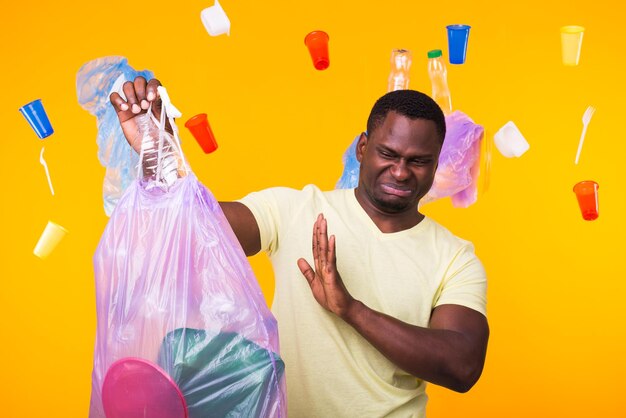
(119, 104)
(151, 90)
(332, 254)
(314, 240)
(323, 241)
(306, 270)
(131, 97)
(140, 92)
(121, 108)
(315, 243)
(154, 98)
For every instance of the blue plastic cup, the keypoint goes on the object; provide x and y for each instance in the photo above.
(37, 118)
(457, 43)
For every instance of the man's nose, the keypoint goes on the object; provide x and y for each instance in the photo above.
(400, 170)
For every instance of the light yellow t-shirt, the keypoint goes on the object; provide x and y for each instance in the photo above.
(331, 370)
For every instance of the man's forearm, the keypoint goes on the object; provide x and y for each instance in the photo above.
(441, 356)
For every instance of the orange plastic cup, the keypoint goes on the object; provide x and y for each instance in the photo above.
(201, 130)
(587, 195)
(317, 42)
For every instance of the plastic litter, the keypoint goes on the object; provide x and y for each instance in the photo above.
(510, 141)
(37, 118)
(438, 74)
(586, 119)
(317, 44)
(50, 238)
(201, 130)
(177, 299)
(399, 75)
(42, 161)
(95, 82)
(134, 387)
(215, 20)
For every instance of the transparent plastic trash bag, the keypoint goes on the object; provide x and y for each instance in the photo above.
(459, 163)
(179, 311)
(95, 81)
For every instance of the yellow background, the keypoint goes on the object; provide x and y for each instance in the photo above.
(556, 282)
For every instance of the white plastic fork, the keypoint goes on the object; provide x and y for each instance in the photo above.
(586, 119)
(45, 166)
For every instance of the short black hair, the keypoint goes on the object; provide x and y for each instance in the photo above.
(410, 103)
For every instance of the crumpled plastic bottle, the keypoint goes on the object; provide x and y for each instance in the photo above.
(95, 81)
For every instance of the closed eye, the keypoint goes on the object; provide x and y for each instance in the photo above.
(386, 154)
(421, 161)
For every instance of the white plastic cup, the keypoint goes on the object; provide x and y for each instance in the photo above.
(510, 141)
(215, 20)
(571, 44)
(50, 238)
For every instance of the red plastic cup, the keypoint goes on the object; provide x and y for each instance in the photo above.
(587, 195)
(317, 42)
(201, 130)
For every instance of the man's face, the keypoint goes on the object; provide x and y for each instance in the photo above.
(398, 162)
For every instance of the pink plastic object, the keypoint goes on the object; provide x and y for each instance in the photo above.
(459, 162)
(134, 387)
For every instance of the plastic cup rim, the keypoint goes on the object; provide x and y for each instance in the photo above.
(572, 29)
(583, 183)
(196, 119)
(315, 33)
(29, 104)
(458, 27)
(58, 226)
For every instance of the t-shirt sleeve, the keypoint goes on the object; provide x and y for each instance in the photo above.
(265, 207)
(465, 282)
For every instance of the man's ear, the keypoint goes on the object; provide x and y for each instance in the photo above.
(360, 146)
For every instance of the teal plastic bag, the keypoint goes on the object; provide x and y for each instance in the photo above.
(220, 375)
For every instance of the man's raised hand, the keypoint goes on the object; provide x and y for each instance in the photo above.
(325, 282)
(139, 95)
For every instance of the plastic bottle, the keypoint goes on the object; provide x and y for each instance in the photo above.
(399, 75)
(439, 80)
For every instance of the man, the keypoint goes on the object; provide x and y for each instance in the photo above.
(385, 299)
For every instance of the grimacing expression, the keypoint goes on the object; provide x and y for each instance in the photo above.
(398, 162)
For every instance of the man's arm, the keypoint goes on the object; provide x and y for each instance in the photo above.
(244, 225)
(139, 95)
(450, 353)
